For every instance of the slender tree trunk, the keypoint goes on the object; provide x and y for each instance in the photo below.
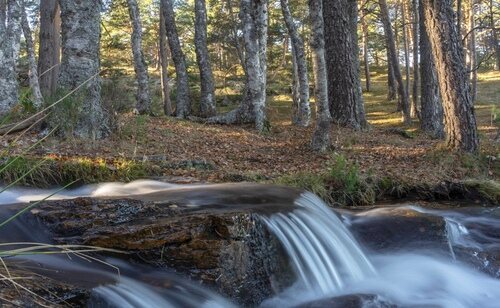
(344, 84)
(207, 97)
(494, 36)
(167, 103)
(10, 33)
(30, 50)
(471, 42)
(392, 91)
(416, 71)
(183, 95)
(431, 114)
(364, 27)
(402, 91)
(235, 29)
(295, 90)
(49, 52)
(304, 110)
(81, 34)
(143, 97)
(321, 136)
(447, 49)
(406, 47)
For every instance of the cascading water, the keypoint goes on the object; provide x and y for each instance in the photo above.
(323, 252)
(325, 256)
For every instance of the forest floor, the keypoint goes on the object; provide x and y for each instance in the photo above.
(214, 153)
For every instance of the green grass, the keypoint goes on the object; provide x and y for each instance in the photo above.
(48, 172)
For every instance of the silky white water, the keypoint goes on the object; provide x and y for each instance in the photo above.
(327, 259)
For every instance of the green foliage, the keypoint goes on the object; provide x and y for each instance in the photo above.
(48, 172)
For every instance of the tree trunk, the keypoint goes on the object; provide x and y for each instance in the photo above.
(471, 42)
(391, 79)
(10, 33)
(254, 17)
(49, 52)
(183, 95)
(494, 36)
(143, 97)
(33, 69)
(344, 84)
(80, 63)
(402, 91)
(167, 103)
(431, 114)
(406, 47)
(416, 71)
(364, 27)
(447, 49)
(207, 95)
(321, 136)
(301, 73)
(304, 109)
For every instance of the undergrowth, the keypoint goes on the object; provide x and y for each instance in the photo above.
(57, 172)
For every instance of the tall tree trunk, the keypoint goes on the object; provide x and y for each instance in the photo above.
(143, 97)
(10, 33)
(494, 36)
(447, 49)
(321, 136)
(402, 91)
(30, 50)
(167, 103)
(431, 114)
(207, 97)
(183, 95)
(364, 27)
(304, 110)
(471, 42)
(49, 52)
(416, 71)
(344, 84)
(406, 47)
(81, 35)
(392, 91)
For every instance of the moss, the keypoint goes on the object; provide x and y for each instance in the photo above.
(489, 189)
(47, 172)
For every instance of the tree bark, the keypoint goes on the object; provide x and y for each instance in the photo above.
(143, 96)
(49, 52)
(431, 114)
(207, 97)
(10, 35)
(30, 50)
(416, 71)
(81, 34)
(183, 95)
(391, 80)
(167, 103)
(364, 27)
(304, 110)
(447, 49)
(494, 37)
(344, 84)
(321, 136)
(402, 91)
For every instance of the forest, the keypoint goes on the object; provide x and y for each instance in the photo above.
(171, 130)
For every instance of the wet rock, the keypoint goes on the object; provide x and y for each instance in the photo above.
(350, 301)
(399, 229)
(222, 243)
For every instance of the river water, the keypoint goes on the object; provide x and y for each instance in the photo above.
(333, 253)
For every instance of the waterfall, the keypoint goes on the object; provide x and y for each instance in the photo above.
(323, 253)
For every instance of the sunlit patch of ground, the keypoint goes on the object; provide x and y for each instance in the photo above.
(384, 151)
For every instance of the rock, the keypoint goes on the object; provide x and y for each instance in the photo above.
(213, 235)
(399, 229)
(350, 301)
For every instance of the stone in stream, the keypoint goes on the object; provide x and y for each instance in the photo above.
(213, 235)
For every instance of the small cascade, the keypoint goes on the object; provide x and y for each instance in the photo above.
(323, 253)
(128, 293)
(457, 235)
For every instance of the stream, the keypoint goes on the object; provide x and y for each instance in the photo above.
(401, 255)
